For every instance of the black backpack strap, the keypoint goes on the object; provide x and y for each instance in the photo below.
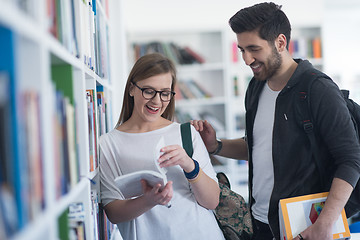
(186, 138)
(304, 113)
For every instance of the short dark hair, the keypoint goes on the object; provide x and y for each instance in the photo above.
(267, 18)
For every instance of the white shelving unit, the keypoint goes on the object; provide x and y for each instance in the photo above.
(215, 76)
(211, 75)
(45, 67)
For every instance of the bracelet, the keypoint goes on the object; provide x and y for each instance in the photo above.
(193, 173)
(194, 180)
(218, 149)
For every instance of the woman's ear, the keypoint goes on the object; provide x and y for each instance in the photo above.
(131, 90)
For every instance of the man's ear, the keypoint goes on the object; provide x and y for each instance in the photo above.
(281, 42)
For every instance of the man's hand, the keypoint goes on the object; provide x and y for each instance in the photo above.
(315, 232)
(207, 133)
(340, 192)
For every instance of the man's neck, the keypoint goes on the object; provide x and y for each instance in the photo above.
(279, 80)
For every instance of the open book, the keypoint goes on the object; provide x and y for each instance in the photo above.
(298, 213)
(130, 185)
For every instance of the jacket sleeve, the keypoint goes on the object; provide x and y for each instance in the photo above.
(336, 129)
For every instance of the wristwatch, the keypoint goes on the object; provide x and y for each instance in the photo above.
(219, 147)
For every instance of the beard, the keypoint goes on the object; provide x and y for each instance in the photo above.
(270, 67)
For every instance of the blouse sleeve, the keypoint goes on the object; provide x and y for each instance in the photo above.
(108, 172)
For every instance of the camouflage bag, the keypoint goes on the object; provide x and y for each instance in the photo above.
(232, 213)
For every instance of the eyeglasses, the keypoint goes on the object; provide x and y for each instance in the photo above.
(149, 93)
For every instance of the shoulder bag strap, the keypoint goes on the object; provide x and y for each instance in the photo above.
(186, 138)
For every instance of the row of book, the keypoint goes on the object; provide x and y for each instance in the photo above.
(190, 89)
(305, 48)
(298, 48)
(97, 121)
(22, 171)
(71, 223)
(82, 30)
(22, 194)
(182, 116)
(66, 154)
(40, 133)
(179, 55)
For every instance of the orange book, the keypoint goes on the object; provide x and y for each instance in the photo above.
(298, 213)
(317, 47)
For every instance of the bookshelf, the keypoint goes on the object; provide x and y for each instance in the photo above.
(205, 88)
(57, 97)
(200, 57)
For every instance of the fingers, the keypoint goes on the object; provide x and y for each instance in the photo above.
(163, 196)
(198, 124)
(175, 155)
(170, 152)
(298, 237)
(157, 195)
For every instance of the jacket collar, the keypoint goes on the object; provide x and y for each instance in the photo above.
(303, 65)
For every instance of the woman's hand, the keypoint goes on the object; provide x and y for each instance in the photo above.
(176, 155)
(157, 195)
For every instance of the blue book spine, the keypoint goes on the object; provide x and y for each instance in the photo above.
(18, 149)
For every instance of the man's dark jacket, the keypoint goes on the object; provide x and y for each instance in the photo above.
(295, 171)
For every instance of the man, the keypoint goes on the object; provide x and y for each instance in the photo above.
(280, 163)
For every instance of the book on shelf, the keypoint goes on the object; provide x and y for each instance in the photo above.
(63, 225)
(61, 23)
(15, 189)
(71, 143)
(62, 76)
(234, 52)
(93, 157)
(61, 146)
(316, 46)
(32, 121)
(179, 55)
(8, 206)
(203, 92)
(106, 227)
(130, 184)
(102, 108)
(76, 221)
(94, 213)
(190, 89)
(198, 58)
(298, 213)
(185, 90)
(71, 222)
(303, 47)
(178, 95)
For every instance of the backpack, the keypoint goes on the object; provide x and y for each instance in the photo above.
(232, 213)
(303, 109)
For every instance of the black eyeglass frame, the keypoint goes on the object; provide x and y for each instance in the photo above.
(156, 92)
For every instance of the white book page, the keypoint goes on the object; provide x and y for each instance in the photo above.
(130, 184)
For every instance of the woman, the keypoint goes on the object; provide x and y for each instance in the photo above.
(146, 116)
